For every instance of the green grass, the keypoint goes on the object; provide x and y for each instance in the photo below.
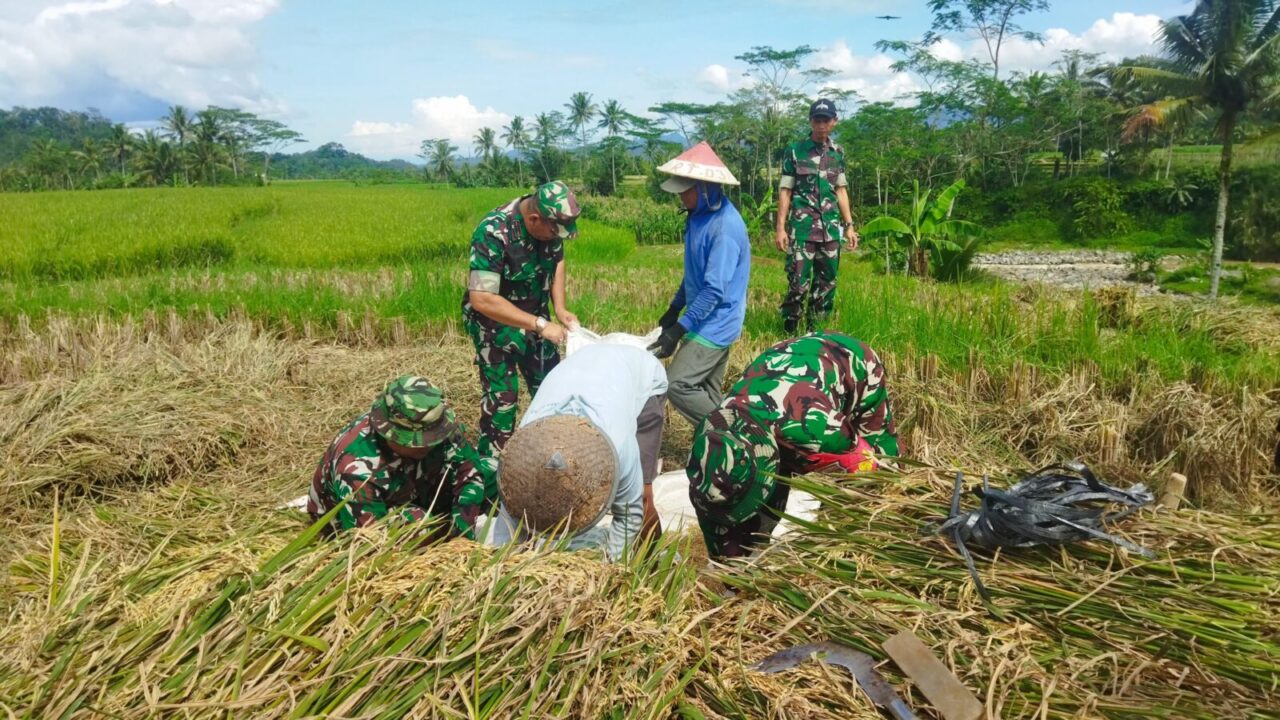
(305, 252)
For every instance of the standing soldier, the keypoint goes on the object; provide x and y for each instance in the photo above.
(802, 405)
(713, 292)
(406, 457)
(813, 204)
(517, 268)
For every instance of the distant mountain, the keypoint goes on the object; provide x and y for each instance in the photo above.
(332, 160)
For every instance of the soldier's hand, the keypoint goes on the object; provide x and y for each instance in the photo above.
(553, 332)
(851, 236)
(782, 241)
(569, 319)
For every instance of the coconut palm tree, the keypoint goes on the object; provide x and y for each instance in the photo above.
(581, 111)
(486, 144)
(120, 144)
(49, 162)
(516, 137)
(440, 156)
(179, 125)
(205, 151)
(546, 129)
(613, 120)
(1224, 59)
(156, 159)
(90, 157)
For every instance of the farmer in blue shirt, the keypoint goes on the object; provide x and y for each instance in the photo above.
(713, 294)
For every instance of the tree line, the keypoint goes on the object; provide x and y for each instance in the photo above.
(188, 148)
(1214, 83)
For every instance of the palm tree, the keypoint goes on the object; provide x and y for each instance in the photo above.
(486, 144)
(546, 129)
(613, 119)
(439, 155)
(156, 159)
(205, 152)
(516, 136)
(180, 125)
(119, 144)
(90, 157)
(1224, 59)
(581, 110)
(48, 161)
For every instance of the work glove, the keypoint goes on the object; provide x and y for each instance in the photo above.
(669, 318)
(667, 341)
(859, 459)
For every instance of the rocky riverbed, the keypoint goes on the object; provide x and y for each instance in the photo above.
(1070, 268)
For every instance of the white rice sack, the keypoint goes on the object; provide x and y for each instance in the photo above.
(580, 337)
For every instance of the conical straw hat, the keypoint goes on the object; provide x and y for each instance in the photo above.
(558, 472)
(700, 163)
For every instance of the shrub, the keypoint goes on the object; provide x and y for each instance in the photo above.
(1097, 208)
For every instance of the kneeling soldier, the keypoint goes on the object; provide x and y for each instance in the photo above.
(407, 457)
(802, 405)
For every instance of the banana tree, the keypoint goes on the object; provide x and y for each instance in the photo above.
(931, 233)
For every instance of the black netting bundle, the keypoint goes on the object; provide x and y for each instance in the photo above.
(1054, 505)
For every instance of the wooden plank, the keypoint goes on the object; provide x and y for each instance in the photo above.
(943, 689)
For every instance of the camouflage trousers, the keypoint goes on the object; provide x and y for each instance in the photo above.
(502, 356)
(811, 281)
(726, 539)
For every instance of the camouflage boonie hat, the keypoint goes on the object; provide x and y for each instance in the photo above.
(732, 475)
(411, 412)
(558, 204)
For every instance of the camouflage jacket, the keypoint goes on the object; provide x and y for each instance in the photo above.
(361, 466)
(508, 261)
(813, 172)
(817, 393)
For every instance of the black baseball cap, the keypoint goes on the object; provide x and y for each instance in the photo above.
(822, 107)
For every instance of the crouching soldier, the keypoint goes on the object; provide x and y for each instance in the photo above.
(408, 458)
(803, 405)
(587, 446)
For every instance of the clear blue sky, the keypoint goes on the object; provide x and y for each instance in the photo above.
(381, 76)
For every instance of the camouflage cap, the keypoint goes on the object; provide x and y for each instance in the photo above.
(731, 474)
(411, 412)
(558, 204)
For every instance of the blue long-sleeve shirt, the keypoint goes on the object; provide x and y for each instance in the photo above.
(717, 266)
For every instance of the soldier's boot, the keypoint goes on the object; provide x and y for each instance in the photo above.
(790, 325)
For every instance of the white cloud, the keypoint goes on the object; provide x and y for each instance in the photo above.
(946, 49)
(453, 117)
(719, 79)
(1122, 35)
(128, 56)
(871, 76)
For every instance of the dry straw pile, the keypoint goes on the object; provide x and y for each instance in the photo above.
(166, 584)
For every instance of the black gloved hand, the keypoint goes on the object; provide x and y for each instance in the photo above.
(669, 317)
(667, 341)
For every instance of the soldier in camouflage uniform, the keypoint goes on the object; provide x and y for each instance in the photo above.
(517, 269)
(408, 458)
(813, 204)
(801, 405)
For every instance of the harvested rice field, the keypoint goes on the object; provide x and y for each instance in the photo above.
(152, 422)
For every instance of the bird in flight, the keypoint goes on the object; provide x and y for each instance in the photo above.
(888, 17)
